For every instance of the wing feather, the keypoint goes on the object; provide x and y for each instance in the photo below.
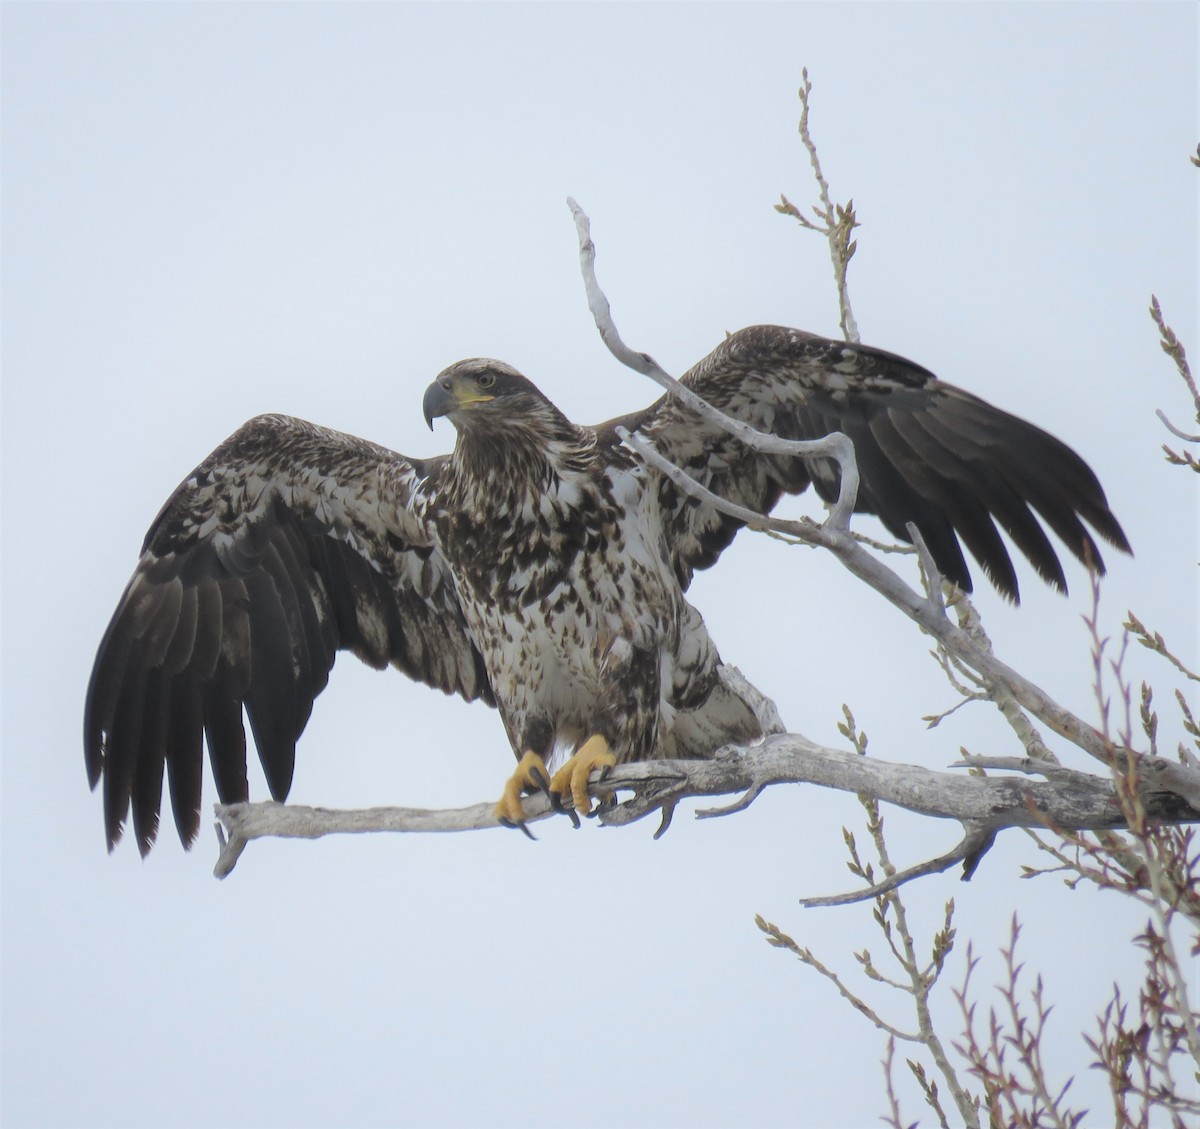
(287, 544)
(928, 453)
(185, 755)
(182, 647)
(125, 735)
(206, 647)
(945, 450)
(966, 513)
(271, 694)
(151, 758)
(225, 735)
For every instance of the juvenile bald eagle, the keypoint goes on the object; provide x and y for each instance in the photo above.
(540, 567)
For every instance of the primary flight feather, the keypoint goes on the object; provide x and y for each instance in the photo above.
(540, 567)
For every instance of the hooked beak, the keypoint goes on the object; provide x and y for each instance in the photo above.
(446, 395)
(438, 401)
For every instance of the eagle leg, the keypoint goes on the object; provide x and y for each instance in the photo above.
(530, 776)
(573, 776)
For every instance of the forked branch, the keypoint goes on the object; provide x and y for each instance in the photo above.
(834, 446)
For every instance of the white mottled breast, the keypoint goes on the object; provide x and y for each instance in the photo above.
(599, 569)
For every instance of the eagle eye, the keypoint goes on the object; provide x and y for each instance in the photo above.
(486, 379)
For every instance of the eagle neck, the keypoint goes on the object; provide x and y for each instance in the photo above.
(503, 467)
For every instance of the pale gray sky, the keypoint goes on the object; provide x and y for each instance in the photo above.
(211, 211)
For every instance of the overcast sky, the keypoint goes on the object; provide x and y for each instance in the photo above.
(211, 211)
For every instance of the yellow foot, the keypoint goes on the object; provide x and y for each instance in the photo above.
(573, 776)
(531, 775)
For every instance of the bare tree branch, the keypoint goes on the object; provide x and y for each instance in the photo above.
(835, 446)
(838, 221)
(984, 805)
(1173, 347)
(1154, 641)
(974, 845)
(1154, 862)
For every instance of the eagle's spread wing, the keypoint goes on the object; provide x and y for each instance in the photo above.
(288, 543)
(928, 453)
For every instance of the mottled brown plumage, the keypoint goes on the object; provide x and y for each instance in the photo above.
(540, 567)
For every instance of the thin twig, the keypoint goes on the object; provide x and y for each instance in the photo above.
(972, 846)
(839, 220)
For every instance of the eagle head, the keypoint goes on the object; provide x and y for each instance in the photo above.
(484, 394)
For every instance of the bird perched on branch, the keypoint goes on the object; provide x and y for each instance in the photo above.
(541, 566)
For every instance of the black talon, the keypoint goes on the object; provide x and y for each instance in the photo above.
(556, 802)
(522, 826)
(542, 781)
